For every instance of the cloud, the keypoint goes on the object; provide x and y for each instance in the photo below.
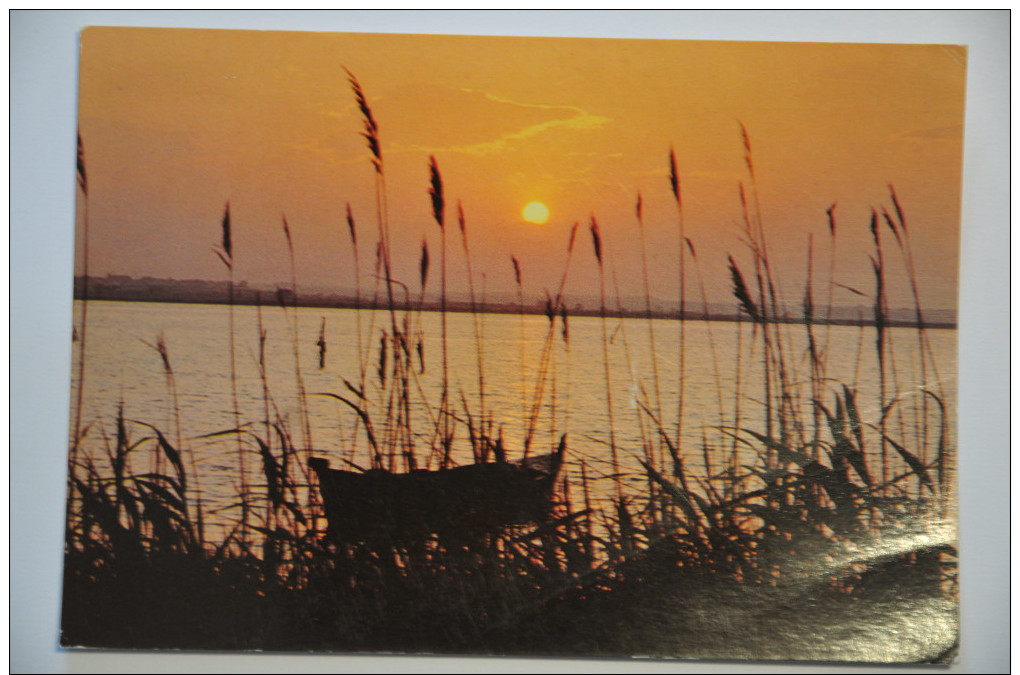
(486, 106)
(436, 119)
(580, 122)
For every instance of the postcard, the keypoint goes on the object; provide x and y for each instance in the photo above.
(515, 346)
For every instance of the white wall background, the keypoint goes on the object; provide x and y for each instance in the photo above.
(43, 89)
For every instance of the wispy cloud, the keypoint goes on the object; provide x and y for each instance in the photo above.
(574, 119)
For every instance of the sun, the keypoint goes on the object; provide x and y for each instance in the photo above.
(536, 212)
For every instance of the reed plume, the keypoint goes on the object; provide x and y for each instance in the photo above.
(707, 313)
(439, 214)
(524, 363)
(741, 293)
(880, 313)
(353, 232)
(226, 255)
(306, 425)
(597, 243)
(675, 186)
(545, 358)
(816, 499)
(371, 132)
(476, 320)
(924, 344)
(830, 214)
(639, 212)
(372, 138)
(171, 383)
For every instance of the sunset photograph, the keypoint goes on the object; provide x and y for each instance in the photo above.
(518, 346)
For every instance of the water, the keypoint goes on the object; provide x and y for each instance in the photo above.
(723, 371)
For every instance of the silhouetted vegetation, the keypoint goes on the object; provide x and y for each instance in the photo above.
(763, 542)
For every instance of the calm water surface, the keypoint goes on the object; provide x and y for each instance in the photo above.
(722, 372)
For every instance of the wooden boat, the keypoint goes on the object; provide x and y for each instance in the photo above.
(460, 503)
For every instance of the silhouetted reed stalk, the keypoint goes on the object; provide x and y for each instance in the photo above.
(778, 410)
(831, 216)
(755, 311)
(306, 425)
(640, 391)
(362, 357)
(542, 375)
(924, 343)
(747, 305)
(522, 581)
(860, 348)
(597, 242)
(371, 136)
(894, 404)
(738, 397)
(364, 346)
(565, 329)
(707, 313)
(638, 208)
(277, 471)
(226, 255)
(383, 254)
(717, 371)
(439, 213)
(675, 186)
(72, 463)
(880, 314)
(268, 425)
(406, 373)
(171, 384)
(553, 401)
(814, 357)
(524, 359)
(475, 319)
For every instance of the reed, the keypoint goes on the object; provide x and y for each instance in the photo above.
(597, 243)
(302, 401)
(266, 401)
(372, 138)
(226, 255)
(553, 306)
(439, 214)
(779, 410)
(656, 387)
(769, 513)
(76, 436)
(362, 357)
(814, 354)
(524, 354)
(83, 333)
(675, 186)
(926, 358)
(475, 318)
(880, 317)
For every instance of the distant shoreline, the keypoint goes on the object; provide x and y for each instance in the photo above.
(248, 297)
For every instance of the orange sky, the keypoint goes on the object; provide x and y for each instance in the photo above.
(177, 122)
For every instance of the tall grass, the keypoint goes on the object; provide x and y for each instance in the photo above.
(302, 396)
(439, 213)
(476, 323)
(226, 255)
(653, 351)
(779, 502)
(77, 434)
(675, 186)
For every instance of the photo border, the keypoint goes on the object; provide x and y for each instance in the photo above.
(43, 90)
